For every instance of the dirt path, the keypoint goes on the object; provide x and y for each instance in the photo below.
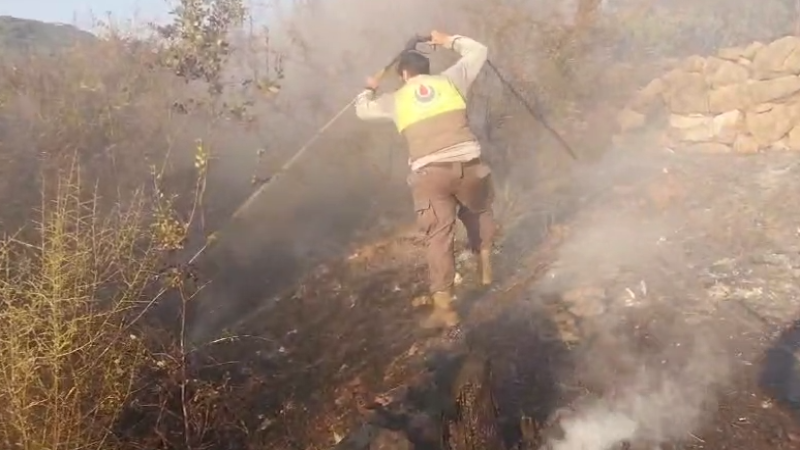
(681, 267)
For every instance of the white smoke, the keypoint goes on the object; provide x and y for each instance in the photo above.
(656, 370)
(664, 401)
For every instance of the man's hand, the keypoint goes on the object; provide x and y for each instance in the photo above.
(439, 38)
(372, 83)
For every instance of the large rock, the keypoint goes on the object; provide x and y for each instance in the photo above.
(779, 58)
(774, 89)
(731, 53)
(745, 143)
(769, 123)
(747, 95)
(728, 98)
(711, 64)
(701, 128)
(781, 145)
(686, 93)
(726, 73)
(691, 128)
(736, 54)
(793, 139)
(726, 126)
(752, 50)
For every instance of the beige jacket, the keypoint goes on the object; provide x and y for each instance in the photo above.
(447, 139)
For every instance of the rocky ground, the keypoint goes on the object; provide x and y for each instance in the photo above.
(653, 285)
(688, 270)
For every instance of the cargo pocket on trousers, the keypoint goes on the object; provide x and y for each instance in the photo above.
(425, 215)
(423, 208)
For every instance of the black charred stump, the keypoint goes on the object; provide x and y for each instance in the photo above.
(451, 407)
(475, 424)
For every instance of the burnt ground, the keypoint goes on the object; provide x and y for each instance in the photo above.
(679, 267)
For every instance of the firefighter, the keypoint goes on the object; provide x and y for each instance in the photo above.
(448, 178)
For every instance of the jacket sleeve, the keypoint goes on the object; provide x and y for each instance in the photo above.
(370, 108)
(466, 69)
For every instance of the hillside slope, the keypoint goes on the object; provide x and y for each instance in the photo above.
(23, 35)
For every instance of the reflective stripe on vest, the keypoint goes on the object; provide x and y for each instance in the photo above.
(425, 97)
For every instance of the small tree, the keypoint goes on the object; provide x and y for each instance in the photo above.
(196, 42)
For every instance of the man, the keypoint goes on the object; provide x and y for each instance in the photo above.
(448, 178)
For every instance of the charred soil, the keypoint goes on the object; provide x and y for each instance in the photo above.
(719, 253)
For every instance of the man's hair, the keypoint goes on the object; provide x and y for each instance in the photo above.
(414, 63)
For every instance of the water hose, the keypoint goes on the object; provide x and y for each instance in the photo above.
(410, 45)
(532, 111)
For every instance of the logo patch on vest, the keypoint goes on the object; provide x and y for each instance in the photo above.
(424, 93)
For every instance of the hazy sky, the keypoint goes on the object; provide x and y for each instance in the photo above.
(79, 12)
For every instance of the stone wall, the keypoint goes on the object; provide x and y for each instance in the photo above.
(744, 99)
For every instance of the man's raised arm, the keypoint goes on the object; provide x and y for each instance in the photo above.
(466, 69)
(371, 108)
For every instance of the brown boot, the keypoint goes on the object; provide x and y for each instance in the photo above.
(485, 267)
(443, 315)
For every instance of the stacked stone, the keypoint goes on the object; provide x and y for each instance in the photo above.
(743, 100)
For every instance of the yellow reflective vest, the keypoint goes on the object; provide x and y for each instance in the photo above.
(431, 114)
